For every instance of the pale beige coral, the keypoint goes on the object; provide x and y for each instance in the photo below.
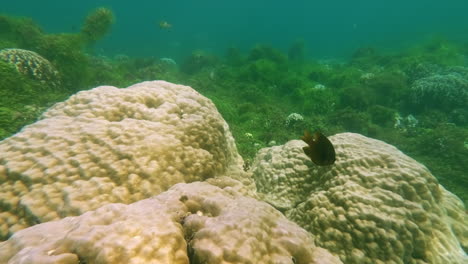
(194, 222)
(109, 145)
(276, 175)
(374, 205)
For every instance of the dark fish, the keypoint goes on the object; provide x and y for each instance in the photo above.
(320, 149)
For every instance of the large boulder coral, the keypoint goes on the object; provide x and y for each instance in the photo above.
(441, 91)
(190, 223)
(374, 205)
(32, 65)
(109, 145)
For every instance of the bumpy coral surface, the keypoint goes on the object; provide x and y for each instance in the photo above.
(282, 181)
(374, 205)
(32, 65)
(109, 145)
(190, 223)
(441, 91)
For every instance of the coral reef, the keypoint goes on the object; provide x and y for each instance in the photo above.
(190, 223)
(109, 145)
(120, 145)
(375, 205)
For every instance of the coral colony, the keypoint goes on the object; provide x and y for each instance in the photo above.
(101, 161)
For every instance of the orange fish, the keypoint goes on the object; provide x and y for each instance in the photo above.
(164, 25)
(320, 150)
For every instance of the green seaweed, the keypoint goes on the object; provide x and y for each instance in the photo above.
(296, 52)
(22, 99)
(19, 32)
(97, 24)
(198, 60)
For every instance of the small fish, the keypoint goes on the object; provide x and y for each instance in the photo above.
(165, 25)
(320, 150)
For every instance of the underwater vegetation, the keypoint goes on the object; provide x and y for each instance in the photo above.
(22, 99)
(414, 99)
(297, 51)
(97, 24)
(197, 61)
(67, 52)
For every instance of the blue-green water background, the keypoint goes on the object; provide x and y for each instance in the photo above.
(331, 29)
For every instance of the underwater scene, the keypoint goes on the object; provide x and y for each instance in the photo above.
(234, 131)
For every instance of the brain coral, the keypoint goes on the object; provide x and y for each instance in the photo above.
(374, 205)
(109, 145)
(190, 223)
(32, 65)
